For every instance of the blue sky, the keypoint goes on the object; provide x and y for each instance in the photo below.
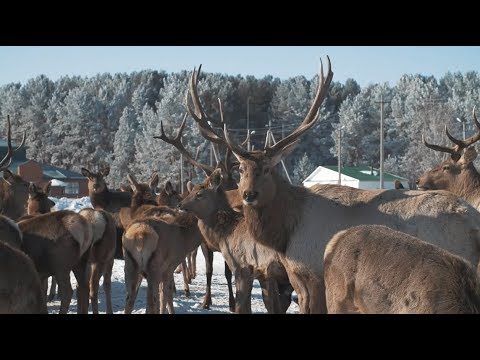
(366, 64)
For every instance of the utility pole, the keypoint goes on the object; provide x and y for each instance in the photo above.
(248, 123)
(272, 139)
(339, 156)
(381, 102)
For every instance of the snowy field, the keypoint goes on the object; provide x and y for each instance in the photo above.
(182, 304)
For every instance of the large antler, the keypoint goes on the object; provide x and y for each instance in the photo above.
(456, 151)
(177, 142)
(9, 156)
(307, 123)
(199, 115)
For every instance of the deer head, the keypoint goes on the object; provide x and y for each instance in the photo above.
(13, 189)
(202, 200)
(143, 193)
(457, 171)
(38, 201)
(256, 186)
(168, 196)
(96, 181)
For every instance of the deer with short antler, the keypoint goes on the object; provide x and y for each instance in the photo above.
(298, 222)
(456, 174)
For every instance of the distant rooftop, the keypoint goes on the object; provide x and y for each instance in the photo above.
(365, 173)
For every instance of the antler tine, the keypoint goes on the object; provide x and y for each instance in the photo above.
(237, 149)
(23, 141)
(8, 157)
(452, 151)
(177, 143)
(198, 114)
(475, 137)
(460, 144)
(313, 113)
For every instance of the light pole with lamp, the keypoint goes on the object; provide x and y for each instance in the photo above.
(463, 125)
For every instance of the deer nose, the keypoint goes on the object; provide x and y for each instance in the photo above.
(250, 196)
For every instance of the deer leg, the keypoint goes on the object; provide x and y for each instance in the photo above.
(65, 289)
(95, 275)
(107, 286)
(270, 295)
(207, 300)
(317, 301)
(193, 263)
(243, 286)
(53, 287)
(231, 298)
(132, 282)
(169, 296)
(82, 271)
(285, 296)
(153, 294)
(186, 278)
(178, 270)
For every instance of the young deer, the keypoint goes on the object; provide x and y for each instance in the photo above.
(372, 269)
(152, 249)
(104, 199)
(20, 288)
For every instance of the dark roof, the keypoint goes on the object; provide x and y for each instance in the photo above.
(49, 171)
(363, 173)
(53, 172)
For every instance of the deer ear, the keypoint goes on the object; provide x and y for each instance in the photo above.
(216, 179)
(105, 171)
(154, 181)
(189, 186)
(86, 172)
(468, 156)
(133, 182)
(169, 188)
(283, 153)
(46, 188)
(8, 177)
(32, 189)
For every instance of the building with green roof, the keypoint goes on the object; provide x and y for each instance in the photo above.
(361, 177)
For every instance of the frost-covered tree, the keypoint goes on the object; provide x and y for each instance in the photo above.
(124, 146)
(302, 169)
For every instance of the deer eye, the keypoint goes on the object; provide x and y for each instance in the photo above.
(446, 167)
(240, 170)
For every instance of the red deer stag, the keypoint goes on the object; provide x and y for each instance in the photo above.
(288, 218)
(13, 189)
(457, 174)
(207, 250)
(225, 228)
(372, 269)
(104, 199)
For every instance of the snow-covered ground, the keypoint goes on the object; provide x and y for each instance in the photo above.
(182, 303)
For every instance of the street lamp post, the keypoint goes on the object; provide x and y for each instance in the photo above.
(463, 125)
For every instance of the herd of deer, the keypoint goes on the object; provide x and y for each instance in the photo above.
(342, 250)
